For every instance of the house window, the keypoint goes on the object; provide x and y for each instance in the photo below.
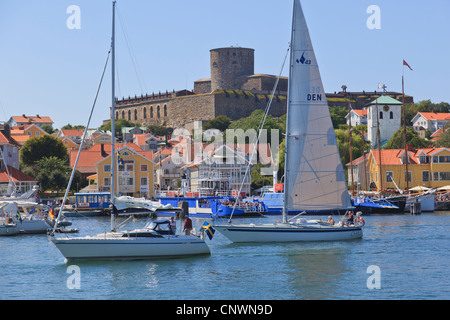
(135, 115)
(126, 181)
(130, 167)
(424, 159)
(158, 112)
(425, 176)
(389, 176)
(151, 112)
(129, 115)
(391, 115)
(143, 181)
(165, 110)
(441, 176)
(107, 181)
(144, 168)
(145, 113)
(107, 168)
(381, 114)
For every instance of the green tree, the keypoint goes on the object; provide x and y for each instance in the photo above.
(42, 147)
(397, 140)
(338, 116)
(52, 173)
(221, 123)
(119, 123)
(254, 122)
(159, 130)
(71, 127)
(48, 128)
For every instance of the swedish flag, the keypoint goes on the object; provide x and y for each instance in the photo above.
(120, 159)
(208, 229)
(19, 217)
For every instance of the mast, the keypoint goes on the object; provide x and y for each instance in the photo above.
(379, 149)
(350, 143)
(113, 111)
(286, 158)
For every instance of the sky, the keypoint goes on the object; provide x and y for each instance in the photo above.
(49, 68)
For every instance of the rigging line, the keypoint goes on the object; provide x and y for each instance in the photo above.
(260, 132)
(81, 145)
(131, 52)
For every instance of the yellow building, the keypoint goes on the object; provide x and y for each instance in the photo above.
(135, 175)
(426, 167)
(22, 134)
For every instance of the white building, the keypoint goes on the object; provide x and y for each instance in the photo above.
(357, 117)
(430, 121)
(389, 118)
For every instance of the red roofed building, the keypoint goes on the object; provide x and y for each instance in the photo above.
(38, 120)
(90, 157)
(9, 164)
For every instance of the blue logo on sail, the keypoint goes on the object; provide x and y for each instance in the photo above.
(303, 60)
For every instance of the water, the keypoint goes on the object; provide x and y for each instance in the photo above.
(411, 252)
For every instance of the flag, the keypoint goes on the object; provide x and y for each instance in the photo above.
(18, 216)
(120, 159)
(406, 64)
(208, 229)
(51, 214)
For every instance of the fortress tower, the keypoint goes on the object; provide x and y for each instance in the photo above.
(228, 64)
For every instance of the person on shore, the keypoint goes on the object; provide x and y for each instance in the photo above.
(187, 226)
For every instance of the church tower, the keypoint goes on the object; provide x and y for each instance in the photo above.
(389, 119)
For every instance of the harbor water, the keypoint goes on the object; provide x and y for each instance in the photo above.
(399, 257)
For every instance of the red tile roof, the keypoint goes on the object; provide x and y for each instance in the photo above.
(435, 116)
(16, 176)
(32, 119)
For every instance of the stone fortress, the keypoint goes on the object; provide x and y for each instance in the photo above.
(233, 90)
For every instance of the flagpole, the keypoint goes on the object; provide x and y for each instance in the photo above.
(404, 131)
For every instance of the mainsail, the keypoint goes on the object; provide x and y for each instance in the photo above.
(315, 178)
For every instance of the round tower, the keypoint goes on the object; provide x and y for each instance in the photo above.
(228, 64)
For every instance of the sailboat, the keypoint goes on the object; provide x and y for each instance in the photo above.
(156, 239)
(314, 175)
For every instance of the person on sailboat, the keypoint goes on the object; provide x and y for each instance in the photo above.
(187, 226)
(350, 219)
(330, 220)
(173, 225)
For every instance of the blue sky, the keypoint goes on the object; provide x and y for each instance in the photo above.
(48, 69)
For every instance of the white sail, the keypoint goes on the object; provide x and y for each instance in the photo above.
(314, 174)
(315, 178)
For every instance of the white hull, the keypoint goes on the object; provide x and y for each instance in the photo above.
(114, 246)
(426, 202)
(288, 232)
